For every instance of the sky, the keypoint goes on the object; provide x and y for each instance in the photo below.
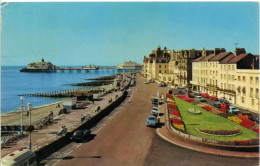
(110, 33)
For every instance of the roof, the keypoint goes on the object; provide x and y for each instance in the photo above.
(238, 58)
(208, 57)
(220, 56)
(227, 58)
(198, 59)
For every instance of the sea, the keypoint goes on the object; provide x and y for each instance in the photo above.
(14, 83)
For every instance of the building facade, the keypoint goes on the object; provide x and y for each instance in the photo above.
(233, 76)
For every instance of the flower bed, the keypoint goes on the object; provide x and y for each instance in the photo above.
(178, 126)
(172, 105)
(176, 121)
(189, 99)
(235, 119)
(247, 123)
(221, 132)
(256, 129)
(208, 108)
(174, 116)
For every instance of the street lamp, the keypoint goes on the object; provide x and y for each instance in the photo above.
(30, 140)
(21, 109)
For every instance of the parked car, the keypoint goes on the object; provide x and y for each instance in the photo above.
(80, 135)
(223, 100)
(216, 105)
(233, 110)
(151, 121)
(151, 81)
(199, 98)
(181, 92)
(155, 101)
(204, 94)
(154, 111)
(213, 98)
(197, 93)
(180, 87)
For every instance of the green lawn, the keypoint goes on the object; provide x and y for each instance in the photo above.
(210, 121)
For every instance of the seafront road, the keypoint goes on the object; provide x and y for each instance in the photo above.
(126, 141)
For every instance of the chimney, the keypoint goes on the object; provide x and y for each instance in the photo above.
(218, 51)
(239, 51)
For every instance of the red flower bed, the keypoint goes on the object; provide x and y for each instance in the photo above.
(189, 99)
(256, 130)
(172, 105)
(208, 108)
(176, 121)
(246, 123)
(176, 113)
(181, 96)
(241, 142)
(169, 95)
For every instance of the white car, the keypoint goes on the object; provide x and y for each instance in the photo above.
(233, 110)
(199, 98)
(154, 111)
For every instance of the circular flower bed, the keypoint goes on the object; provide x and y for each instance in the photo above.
(221, 132)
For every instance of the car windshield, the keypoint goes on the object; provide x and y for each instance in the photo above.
(78, 133)
(151, 118)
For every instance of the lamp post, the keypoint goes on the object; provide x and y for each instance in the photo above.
(21, 109)
(30, 140)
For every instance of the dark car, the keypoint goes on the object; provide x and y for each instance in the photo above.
(223, 100)
(80, 135)
(181, 92)
(155, 101)
(216, 105)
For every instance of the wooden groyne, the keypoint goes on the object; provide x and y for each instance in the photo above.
(94, 83)
(84, 91)
(104, 78)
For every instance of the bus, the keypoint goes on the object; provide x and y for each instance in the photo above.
(20, 157)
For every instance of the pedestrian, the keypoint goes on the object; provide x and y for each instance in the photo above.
(83, 118)
(93, 101)
(27, 113)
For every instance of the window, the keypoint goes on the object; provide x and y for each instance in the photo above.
(243, 99)
(221, 67)
(224, 67)
(257, 93)
(224, 76)
(159, 66)
(165, 66)
(221, 85)
(252, 102)
(244, 78)
(233, 67)
(169, 79)
(239, 79)
(251, 92)
(256, 81)
(221, 76)
(160, 71)
(164, 79)
(165, 71)
(251, 80)
(233, 78)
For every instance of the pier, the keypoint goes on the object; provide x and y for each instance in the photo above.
(39, 70)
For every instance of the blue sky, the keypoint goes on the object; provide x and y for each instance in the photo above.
(110, 33)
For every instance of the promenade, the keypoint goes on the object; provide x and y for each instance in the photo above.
(48, 134)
